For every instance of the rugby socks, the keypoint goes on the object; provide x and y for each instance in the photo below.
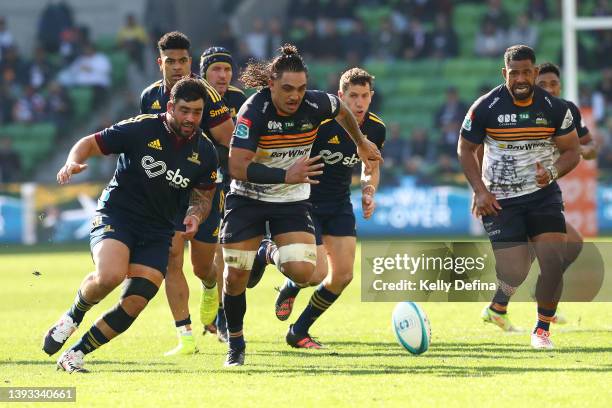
(79, 308)
(320, 301)
(220, 316)
(235, 308)
(499, 304)
(545, 317)
(90, 341)
(184, 326)
(290, 289)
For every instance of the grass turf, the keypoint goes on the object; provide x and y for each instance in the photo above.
(468, 363)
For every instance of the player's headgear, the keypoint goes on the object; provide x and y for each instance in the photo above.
(212, 55)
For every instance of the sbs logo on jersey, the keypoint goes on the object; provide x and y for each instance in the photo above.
(155, 168)
(333, 158)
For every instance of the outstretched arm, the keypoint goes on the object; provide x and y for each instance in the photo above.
(80, 152)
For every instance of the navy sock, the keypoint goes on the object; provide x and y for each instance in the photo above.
(185, 322)
(499, 304)
(220, 322)
(235, 308)
(90, 341)
(544, 318)
(290, 288)
(320, 301)
(79, 308)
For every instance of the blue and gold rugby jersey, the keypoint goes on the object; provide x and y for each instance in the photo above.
(339, 154)
(515, 137)
(234, 98)
(155, 170)
(155, 98)
(279, 141)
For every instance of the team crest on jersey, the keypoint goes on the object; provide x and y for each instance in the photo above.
(155, 144)
(334, 140)
(194, 158)
(155, 105)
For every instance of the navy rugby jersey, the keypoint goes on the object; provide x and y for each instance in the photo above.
(339, 153)
(155, 97)
(515, 137)
(234, 98)
(279, 141)
(155, 170)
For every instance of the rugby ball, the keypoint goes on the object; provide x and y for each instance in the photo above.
(411, 327)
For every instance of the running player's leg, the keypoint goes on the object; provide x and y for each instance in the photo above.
(110, 243)
(508, 235)
(141, 285)
(547, 229)
(341, 256)
(177, 293)
(202, 257)
(148, 259)
(288, 292)
(238, 259)
(203, 247)
(220, 322)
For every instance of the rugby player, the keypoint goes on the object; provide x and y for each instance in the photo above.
(271, 175)
(161, 157)
(216, 66)
(517, 197)
(175, 62)
(332, 211)
(549, 79)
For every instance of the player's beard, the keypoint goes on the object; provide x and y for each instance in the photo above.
(178, 128)
(522, 96)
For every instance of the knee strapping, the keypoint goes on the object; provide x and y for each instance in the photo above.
(118, 319)
(298, 253)
(239, 259)
(140, 287)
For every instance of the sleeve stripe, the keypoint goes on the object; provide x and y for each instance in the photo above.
(325, 121)
(376, 119)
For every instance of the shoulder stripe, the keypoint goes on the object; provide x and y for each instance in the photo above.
(214, 95)
(376, 119)
(235, 89)
(325, 121)
(138, 118)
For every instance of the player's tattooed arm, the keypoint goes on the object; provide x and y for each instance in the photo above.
(80, 152)
(366, 150)
(200, 203)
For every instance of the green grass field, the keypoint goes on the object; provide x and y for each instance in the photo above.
(468, 363)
